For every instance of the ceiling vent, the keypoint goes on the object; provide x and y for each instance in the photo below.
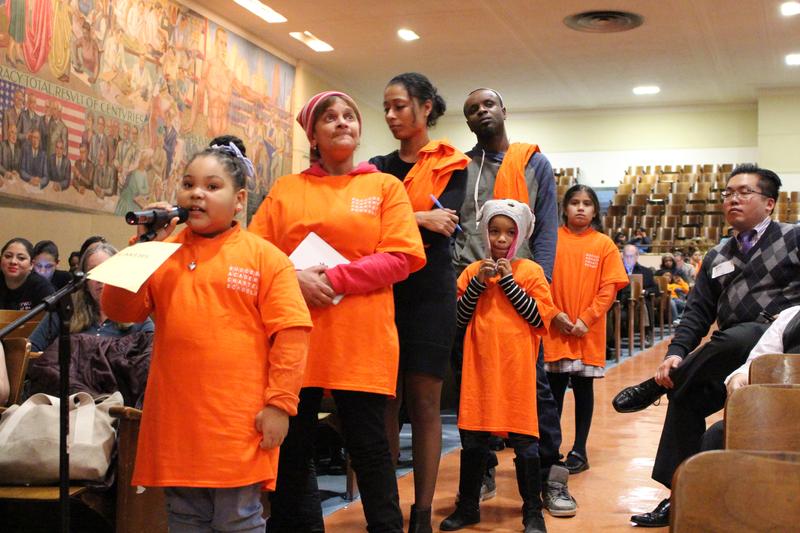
(604, 21)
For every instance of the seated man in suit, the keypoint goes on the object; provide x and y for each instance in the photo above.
(782, 336)
(630, 258)
(33, 167)
(59, 169)
(10, 153)
(740, 285)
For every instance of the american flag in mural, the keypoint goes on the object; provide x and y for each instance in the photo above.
(73, 115)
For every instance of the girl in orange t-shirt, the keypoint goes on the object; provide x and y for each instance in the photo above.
(231, 340)
(367, 217)
(505, 305)
(587, 274)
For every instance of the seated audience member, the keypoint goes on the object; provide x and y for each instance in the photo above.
(630, 258)
(686, 270)
(106, 356)
(620, 239)
(87, 317)
(74, 260)
(741, 283)
(45, 261)
(696, 260)
(678, 292)
(641, 240)
(89, 242)
(21, 288)
(667, 264)
(782, 336)
(5, 389)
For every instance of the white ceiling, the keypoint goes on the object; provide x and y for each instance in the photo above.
(698, 51)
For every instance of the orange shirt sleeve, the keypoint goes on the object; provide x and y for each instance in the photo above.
(287, 361)
(399, 230)
(613, 277)
(537, 287)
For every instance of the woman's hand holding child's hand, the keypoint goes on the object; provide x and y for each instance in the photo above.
(273, 424)
(487, 270)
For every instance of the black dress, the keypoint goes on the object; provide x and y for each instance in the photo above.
(425, 303)
(26, 296)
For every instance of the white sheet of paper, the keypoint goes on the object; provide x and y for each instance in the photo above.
(130, 268)
(313, 251)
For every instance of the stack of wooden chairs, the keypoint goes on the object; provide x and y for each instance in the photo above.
(754, 484)
(679, 206)
(565, 178)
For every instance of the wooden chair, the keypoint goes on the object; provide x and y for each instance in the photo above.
(663, 188)
(742, 491)
(681, 188)
(18, 352)
(8, 316)
(675, 209)
(615, 314)
(634, 210)
(625, 188)
(654, 209)
(763, 417)
(664, 307)
(666, 234)
(777, 368)
(636, 309)
(136, 511)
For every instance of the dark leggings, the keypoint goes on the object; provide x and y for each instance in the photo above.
(583, 388)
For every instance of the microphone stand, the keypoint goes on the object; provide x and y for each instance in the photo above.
(59, 302)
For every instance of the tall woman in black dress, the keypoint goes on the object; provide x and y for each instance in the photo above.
(425, 303)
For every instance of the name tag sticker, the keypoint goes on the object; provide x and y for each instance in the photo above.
(722, 269)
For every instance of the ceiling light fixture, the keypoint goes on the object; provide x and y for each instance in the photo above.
(790, 9)
(262, 11)
(407, 35)
(793, 59)
(646, 89)
(312, 41)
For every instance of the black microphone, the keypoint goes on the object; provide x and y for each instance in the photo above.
(156, 217)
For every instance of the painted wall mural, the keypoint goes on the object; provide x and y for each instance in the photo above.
(103, 101)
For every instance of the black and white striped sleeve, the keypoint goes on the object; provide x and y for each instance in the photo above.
(466, 304)
(522, 301)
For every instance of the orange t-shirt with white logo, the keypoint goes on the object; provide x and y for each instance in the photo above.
(217, 302)
(584, 264)
(354, 344)
(498, 375)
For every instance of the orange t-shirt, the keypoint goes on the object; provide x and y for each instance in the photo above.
(584, 264)
(498, 376)
(212, 369)
(354, 343)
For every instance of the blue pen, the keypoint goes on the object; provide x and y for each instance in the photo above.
(440, 206)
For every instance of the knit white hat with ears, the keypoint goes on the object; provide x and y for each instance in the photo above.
(517, 211)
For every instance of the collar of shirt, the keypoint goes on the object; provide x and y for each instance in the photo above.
(492, 156)
(760, 228)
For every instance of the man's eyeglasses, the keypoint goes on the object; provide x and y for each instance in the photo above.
(744, 193)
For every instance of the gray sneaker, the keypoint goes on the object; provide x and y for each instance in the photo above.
(488, 485)
(557, 499)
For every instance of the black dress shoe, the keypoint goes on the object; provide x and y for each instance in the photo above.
(638, 397)
(659, 517)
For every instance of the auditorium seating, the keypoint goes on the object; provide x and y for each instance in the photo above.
(744, 491)
(680, 205)
(776, 368)
(761, 417)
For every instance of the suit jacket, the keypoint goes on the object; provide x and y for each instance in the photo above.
(57, 130)
(59, 173)
(10, 116)
(28, 121)
(10, 160)
(648, 283)
(84, 174)
(34, 165)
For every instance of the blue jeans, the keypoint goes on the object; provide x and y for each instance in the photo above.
(195, 510)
